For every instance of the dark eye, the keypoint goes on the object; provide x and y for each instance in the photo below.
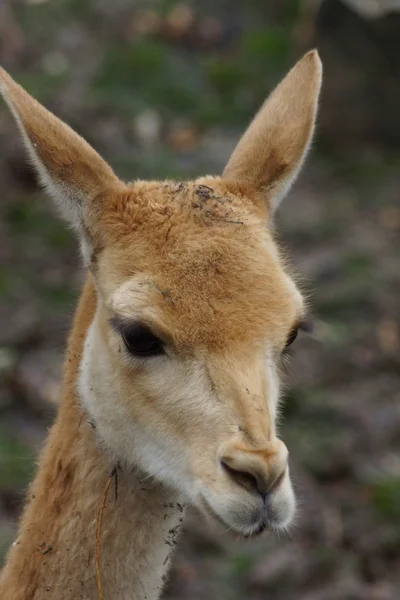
(292, 337)
(140, 341)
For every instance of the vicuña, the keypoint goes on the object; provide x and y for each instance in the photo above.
(171, 376)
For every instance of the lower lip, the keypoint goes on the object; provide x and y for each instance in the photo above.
(258, 531)
(211, 511)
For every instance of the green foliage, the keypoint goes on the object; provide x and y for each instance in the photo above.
(58, 297)
(34, 215)
(43, 19)
(4, 280)
(43, 85)
(386, 498)
(218, 88)
(147, 73)
(16, 461)
(347, 301)
(357, 265)
(241, 564)
(22, 217)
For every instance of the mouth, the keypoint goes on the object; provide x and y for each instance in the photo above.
(247, 531)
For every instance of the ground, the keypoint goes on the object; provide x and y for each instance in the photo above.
(156, 103)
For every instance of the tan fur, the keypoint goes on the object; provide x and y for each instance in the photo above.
(197, 263)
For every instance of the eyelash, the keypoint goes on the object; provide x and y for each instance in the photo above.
(292, 337)
(305, 326)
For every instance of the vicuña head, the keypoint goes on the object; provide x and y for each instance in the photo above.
(179, 372)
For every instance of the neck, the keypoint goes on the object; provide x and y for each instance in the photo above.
(54, 556)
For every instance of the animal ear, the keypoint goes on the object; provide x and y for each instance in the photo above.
(271, 152)
(72, 172)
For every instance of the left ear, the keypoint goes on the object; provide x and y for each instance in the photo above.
(272, 150)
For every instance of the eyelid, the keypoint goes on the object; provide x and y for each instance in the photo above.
(305, 325)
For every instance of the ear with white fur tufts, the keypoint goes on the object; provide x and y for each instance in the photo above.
(272, 150)
(73, 173)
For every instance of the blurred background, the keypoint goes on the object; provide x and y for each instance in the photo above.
(164, 89)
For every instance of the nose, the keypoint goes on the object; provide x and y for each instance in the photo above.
(257, 470)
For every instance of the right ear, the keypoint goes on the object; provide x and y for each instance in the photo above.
(272, 150)
(73, 173)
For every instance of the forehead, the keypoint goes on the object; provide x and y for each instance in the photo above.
(198, 260)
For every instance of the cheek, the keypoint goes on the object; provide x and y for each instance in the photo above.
(180, 391)
(272, 388)
(177, 417)
(168, 399)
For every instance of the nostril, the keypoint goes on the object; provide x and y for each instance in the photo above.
(277, 482)
(242, 478)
